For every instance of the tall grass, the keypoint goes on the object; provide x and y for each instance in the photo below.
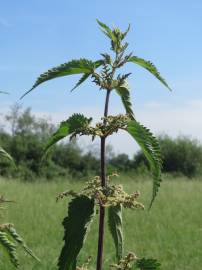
(171, 231)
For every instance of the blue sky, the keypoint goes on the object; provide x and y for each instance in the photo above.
(36, 35)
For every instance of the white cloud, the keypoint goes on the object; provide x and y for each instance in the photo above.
(174, 120)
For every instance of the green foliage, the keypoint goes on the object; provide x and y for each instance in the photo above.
(4, 154)
(73, 67)
(81, 208)
(126, 262)
(13, 233)
(9, 241)
(151, 150)
(147, 264)
(8, 234)
(28, 136)
(86, 75)
(60, 134)
(181, 155)
(116, 228)
(148, 66)
(78, 122)
(159, 234)
(108, 32)
(124, 92)
(76, 225)
(115, 35)
(75, 123)
(25, 139)
(81, 80)
(131, 262)
(10, 248)
(70, 157)
(120, 162)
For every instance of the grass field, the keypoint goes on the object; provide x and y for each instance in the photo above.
(170, 232)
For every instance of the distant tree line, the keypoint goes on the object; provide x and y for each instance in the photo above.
(24, 137)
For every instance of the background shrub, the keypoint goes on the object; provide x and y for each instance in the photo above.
(181, 155)
(25, 137)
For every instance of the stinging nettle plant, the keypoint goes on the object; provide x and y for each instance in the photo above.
(100, 191)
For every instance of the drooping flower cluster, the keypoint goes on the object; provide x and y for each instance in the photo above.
(106, 127)
(125, 263)
(111, 195)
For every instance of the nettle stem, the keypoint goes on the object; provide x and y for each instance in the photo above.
(103, 183)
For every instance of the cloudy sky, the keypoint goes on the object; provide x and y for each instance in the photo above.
(36, 35)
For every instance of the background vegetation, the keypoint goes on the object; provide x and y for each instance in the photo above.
(172, 229)
(25, 136)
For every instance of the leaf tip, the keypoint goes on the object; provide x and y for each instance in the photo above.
(26, 93)
(98, 21)
(170, 89)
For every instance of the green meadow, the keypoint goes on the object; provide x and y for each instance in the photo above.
(170, 232)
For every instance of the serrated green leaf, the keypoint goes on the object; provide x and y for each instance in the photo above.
(106, 30)
(151, 150)
(81, 80)
(147, 264)
(4, 154)
(124, 92)
(116, 229)
(9, 248)
(148, 66)
(77, 122)
(86, 75)
(126, 32)
(73, 67)
(60, 134)
(74, 123)
(76, 225)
